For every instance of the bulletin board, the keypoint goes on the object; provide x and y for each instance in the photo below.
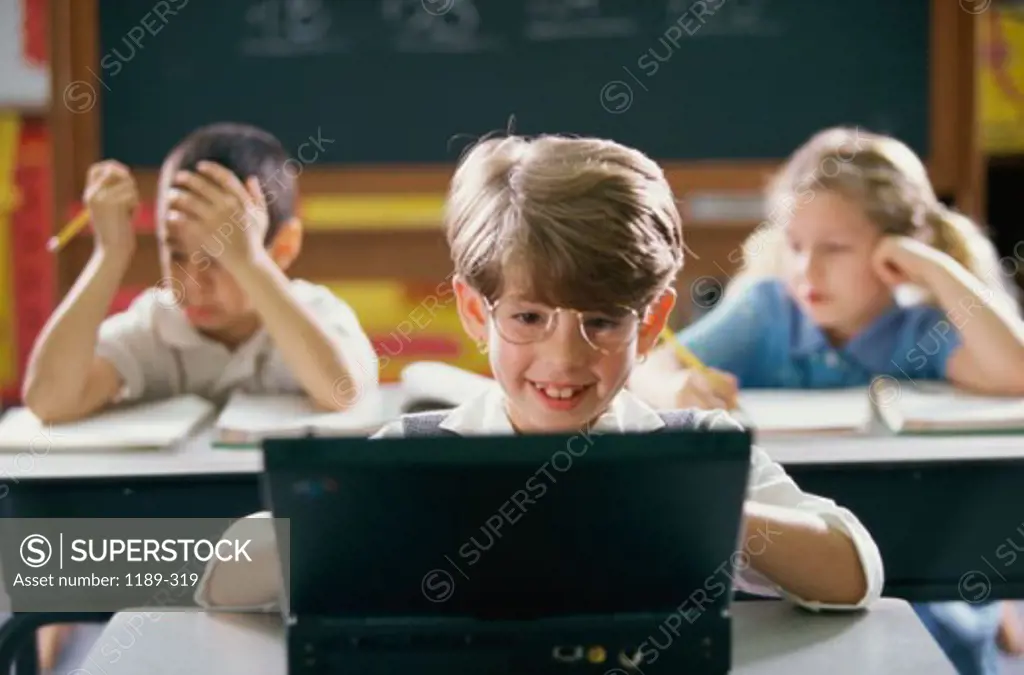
(1001, 79)
(24, 74)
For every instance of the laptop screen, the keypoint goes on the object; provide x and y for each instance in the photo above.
(509, 527)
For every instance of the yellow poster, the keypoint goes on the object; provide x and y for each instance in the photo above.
(411, 322)
(9, 129)
(1001, 79)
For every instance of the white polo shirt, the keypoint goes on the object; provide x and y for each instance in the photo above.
(159, 354)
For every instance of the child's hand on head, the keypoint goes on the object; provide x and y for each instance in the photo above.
(900, 260)
(229, 216)
(112, 198)
(709, 390)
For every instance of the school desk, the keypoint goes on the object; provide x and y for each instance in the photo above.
(916, 494)
(769, 638)
(939, 508)
(190, 481)
(947, 513)
(43, 483)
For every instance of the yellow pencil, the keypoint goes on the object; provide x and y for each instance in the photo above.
(76, 225)
(686, 357)
(690, 360)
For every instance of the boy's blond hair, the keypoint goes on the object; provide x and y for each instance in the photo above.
(581, 222)
(891, 184)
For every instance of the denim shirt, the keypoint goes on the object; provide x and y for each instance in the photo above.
(763, 338)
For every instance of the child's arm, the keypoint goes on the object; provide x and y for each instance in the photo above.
(327, 369)
(245, 585)
(220, 207)
(991, 356)
(64, 379)
(812, 550)
(801, 553)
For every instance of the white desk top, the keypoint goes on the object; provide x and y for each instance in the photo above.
(890, 448)
(769, 638)
(198, 457)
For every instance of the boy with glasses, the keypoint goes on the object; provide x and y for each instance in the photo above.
(565, 251)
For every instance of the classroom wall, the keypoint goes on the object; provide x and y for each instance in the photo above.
(351, 242)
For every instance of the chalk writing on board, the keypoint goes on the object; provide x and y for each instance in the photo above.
(455, 29)
(575, 19)
(725, 18)
(291, 28)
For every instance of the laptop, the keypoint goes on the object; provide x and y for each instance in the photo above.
(511, 554)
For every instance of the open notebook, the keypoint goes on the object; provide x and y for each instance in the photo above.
(249, 418)
(801, 411)
(424, 385)
(135, 427)
(437, 385)
(934, 407)
(902, 407)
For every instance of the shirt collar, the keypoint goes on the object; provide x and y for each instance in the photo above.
(485, 415)
(174, 330)
(872, 347)
(171, 324)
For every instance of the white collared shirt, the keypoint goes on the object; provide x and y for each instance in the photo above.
(768, 482)
(159, 354)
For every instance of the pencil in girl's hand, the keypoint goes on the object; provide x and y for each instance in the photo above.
(76, 225)
(690, 360)
(685, 356)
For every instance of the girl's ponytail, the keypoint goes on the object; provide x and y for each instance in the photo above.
(961, 239)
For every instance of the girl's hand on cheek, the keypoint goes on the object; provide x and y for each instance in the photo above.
(900, 260)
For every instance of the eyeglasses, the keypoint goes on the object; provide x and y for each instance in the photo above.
(522, 322)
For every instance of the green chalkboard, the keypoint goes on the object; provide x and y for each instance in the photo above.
(395, 81)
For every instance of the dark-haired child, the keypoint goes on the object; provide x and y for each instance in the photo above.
(225, 316)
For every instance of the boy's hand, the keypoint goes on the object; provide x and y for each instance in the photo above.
(716, 390)
(230, 216)
(112, 198)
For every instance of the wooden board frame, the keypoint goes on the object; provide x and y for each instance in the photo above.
(955, 164)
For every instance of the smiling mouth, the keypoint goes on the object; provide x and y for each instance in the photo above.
(560, 395)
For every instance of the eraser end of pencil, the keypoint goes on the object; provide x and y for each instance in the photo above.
(53, 244)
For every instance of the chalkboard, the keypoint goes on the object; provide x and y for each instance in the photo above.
(395, 81)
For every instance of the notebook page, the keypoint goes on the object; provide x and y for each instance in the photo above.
(943, 405)
(805, 410)
(291, 414)
(266, 413)
(149, 425)
(439, 381)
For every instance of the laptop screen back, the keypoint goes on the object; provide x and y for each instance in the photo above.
(508, 527)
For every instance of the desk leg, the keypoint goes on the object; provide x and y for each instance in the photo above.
(27, 662)
(18, 637)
